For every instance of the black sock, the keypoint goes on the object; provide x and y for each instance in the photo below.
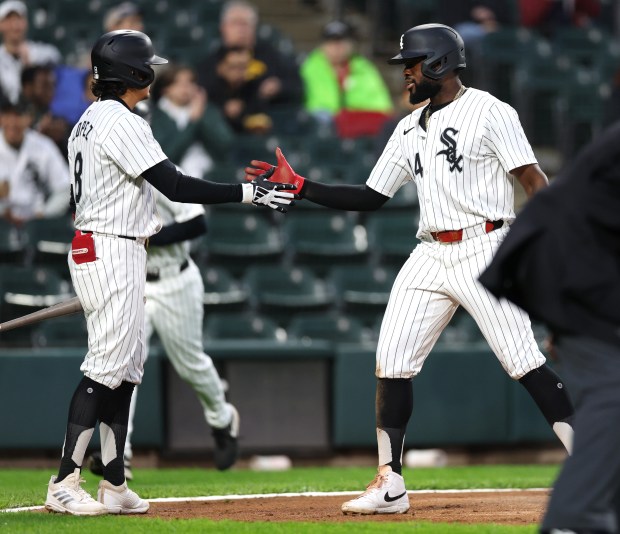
(114, 417)
(83, 412)
(549, 394)
(394, 404)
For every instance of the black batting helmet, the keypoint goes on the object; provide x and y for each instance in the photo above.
(441, 47)
(125, 56)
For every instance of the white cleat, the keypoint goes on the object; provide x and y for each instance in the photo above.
(120, 499)
(68, 497)
(386, 494)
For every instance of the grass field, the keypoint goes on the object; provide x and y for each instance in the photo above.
(22, 487)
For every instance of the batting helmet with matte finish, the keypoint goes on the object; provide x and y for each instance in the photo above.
(441, 47)
(125, 56)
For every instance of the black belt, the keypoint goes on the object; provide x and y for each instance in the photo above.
(154, 275)
(123, 236)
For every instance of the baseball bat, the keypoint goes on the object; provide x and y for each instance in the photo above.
(57, 310)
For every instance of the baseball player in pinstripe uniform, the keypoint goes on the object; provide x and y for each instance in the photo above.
(463, 151)
(174, 309)
(115, 160)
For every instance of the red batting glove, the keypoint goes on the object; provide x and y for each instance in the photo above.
(282, 173)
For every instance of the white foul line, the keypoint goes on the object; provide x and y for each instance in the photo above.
(304, 494)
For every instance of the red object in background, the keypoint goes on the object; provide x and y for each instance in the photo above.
(534, 13)
(359, 123)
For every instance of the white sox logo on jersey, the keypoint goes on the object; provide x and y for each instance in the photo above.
(450, 151)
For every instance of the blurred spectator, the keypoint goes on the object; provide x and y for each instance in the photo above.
(34, 175)
(73, 94)
(277, 75)
(190, 130)
(342, 85)
(38, 89)
(16, 51)
(473, 19)
(238, 98)
(548, 15)
(125, 16)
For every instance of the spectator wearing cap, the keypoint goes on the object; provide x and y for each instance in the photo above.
(34, 175)
(17, 51)
(190, 129)
(342, 85)
(277, 75)
(125, 16)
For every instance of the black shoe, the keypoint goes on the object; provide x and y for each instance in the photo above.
(226, 443)
(95, 464)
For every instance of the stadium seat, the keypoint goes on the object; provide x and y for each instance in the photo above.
(235, 239)
(68, 331)
(392, 235)
(50, 242)
(331, 327)
(12, 245)
(241, 326)
(221, 290)
(584, 46)
(363, 291)
(539, 82)
(322, 239)
(501, 52)
(280, 290)
(24, 290)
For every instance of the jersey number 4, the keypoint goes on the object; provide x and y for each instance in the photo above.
(77, 174)
(417, 168)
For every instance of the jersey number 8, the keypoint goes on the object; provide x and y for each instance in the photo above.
(77, 174)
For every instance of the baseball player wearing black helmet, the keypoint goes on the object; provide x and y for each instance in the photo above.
(463, 151)
(115, 162)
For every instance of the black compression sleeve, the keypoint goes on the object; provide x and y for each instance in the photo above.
(179, 232)
(343, 197)
(180, 188)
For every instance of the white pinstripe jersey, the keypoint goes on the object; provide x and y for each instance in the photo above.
(109, 148)
(460, 166)
(171, 212)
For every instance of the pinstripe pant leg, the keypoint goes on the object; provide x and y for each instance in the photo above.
(175, 307)
(416, 314)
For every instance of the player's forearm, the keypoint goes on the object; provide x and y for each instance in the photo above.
(343, 197)
(180, 188)
(179, 232)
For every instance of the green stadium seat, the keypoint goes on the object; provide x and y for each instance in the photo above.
(221, 290)
(235, 239)
(50, 242)
(363, 290)
(12, 246)
(330, 327)
(322, 239)
(392, 235)
(539, 82)
(68, 331)
(24, 290)
(280, 290)
(220, 326)
(582, 45)
(501, 52)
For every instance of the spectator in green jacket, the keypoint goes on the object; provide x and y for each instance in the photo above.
(190, 130)
(342, 85)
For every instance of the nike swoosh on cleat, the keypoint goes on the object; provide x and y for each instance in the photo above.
(405, 132)
(392, 499)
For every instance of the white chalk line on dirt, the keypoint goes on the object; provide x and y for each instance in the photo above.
(303, 494)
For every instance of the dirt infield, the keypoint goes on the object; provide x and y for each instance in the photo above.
(510, 508)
